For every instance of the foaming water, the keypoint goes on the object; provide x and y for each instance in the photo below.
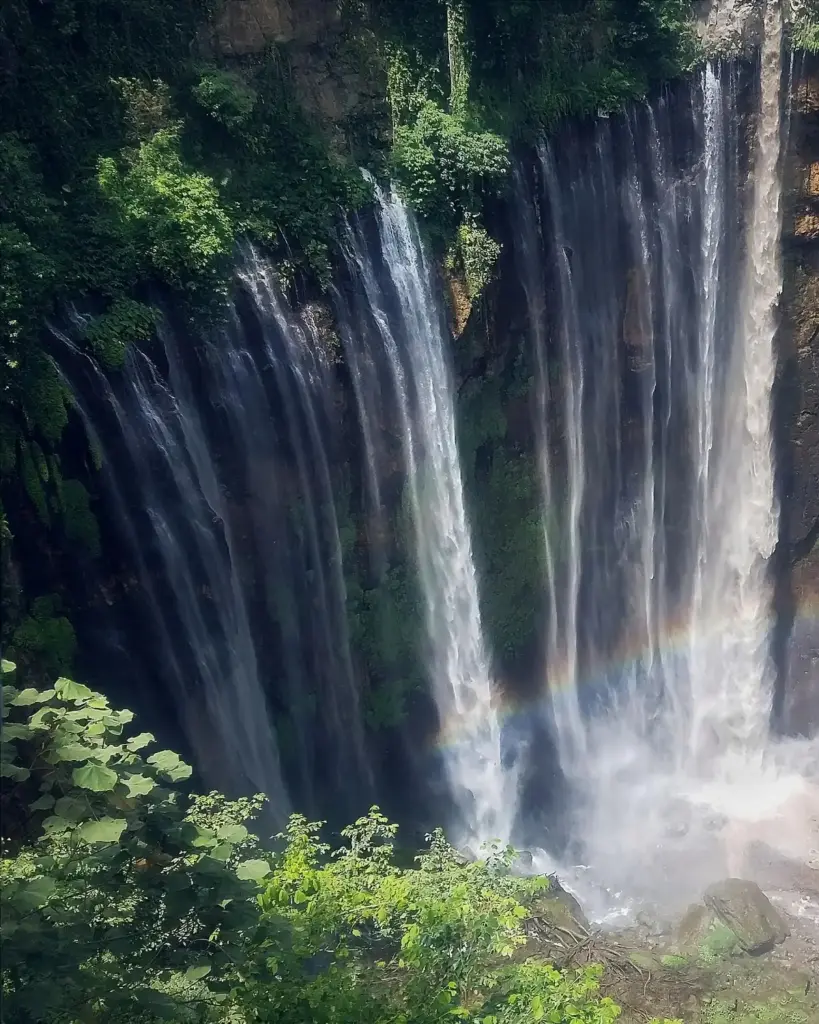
(409, 338)
(657, 463)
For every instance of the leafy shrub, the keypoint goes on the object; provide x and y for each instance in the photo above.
(124, 899)
(225, 96)
(442, 165)
(125, 321)
(45, 637)
(128, 894)
(172, 213)
(476, 253)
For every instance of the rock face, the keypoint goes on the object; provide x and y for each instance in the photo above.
(729, 28)
(334, 85)
(744, 908)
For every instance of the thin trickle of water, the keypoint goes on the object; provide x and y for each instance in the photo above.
(410, 332)
(564, 608)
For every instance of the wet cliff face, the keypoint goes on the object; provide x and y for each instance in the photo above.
(798, 405)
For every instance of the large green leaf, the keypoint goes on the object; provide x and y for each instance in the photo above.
(196, 973)
(15, 731)
(72, 752)
(72, 807)
(67, 689)
(31, 696)
(106, 830)
(140, 741)
(56, 823)
(43, 803)
(95, 777)
(170, 765)
(139, 785)
(253, 870)
(33, 893)
(7, 667)
(232, 833)
(164, 760)
(203, 837)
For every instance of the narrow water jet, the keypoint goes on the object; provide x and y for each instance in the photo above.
(410, 340)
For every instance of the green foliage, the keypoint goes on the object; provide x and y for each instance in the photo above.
(719, 943)
(45, 638)
(443, 166)
(535, 63)
(467, 77)
(805, 25)
(79, 522)
(424, 944)
(127, 895)
(125, 321)
(225, 97)
(169, 214)
(475, 252)
(276, 174)
(125, 900)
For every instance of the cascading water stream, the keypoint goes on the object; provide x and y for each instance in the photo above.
(410, 339)
(217, 459)
(155, 442)
(659, 628)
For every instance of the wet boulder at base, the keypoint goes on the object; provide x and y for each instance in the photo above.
(744, 908)
(555, 907)
(694, 929)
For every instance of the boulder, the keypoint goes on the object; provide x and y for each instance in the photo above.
(557, 907)
(744, 908)
(694, 929)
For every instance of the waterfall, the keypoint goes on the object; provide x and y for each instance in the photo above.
(217, 458)
(162, 478)
(410, 340)
(651, 287)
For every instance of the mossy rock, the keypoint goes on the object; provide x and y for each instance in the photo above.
(674, 962)
(557, 907)
(743, 907)
(646, 961)
(695, 926)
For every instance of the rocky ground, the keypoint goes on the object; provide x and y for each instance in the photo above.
(746, 954)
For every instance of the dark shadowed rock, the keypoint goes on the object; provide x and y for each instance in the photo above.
(744, 908)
